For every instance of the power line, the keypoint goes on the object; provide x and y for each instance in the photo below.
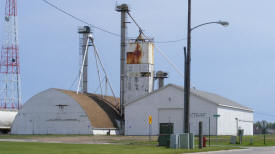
(79, 19)
(172, 41)
(160, 51)
(102, 29)
(141, 31)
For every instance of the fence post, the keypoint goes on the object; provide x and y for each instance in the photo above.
(209, 132)
(200, 134)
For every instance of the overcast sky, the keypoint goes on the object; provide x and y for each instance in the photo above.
(236, 62)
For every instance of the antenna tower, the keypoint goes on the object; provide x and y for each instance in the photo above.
(10, 85)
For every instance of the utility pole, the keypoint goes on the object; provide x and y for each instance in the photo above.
(123, 8)
(187, 74)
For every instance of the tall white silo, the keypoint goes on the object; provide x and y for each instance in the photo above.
(139, 78)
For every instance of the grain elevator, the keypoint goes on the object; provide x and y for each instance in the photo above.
(139, 80)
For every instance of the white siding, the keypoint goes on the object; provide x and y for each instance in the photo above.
(174, 115)
(136, 114)
(170, 102)
(42, 114)
(166, 105)
(137, 86)
(206, 109)
(227, 123)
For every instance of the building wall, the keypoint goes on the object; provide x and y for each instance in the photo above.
(166, 106)
(136, 84)
(227, 123)
(136, 114)
(202, 110)
(172, 115)
(51, 112)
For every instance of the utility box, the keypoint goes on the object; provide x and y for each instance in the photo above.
(233, 139)
(165, 130)
(175, 141)
(240, 134)
(191, 141)
(164, 140)
(185, 141)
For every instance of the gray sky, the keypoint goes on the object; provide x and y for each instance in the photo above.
(235, 62)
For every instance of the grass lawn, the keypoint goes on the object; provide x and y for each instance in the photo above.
(118, 144)
(58, 148)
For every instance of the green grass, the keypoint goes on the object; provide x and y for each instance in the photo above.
(118, 144)
(58, 148)
(258, 140)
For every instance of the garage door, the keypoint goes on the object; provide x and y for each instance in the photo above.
(172, 116)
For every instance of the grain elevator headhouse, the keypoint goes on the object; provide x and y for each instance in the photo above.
(139, 68)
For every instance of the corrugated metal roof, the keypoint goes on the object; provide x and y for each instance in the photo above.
(210, 97)
(219, 100)
(102, 112)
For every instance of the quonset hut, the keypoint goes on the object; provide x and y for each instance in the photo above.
(56, 111)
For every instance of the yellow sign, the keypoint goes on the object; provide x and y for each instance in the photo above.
(150, 119)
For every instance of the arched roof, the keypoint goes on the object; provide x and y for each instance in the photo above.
(102, 111)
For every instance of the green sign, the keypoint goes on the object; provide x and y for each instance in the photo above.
(216, 115)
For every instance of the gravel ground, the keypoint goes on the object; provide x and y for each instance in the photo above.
(80, 139)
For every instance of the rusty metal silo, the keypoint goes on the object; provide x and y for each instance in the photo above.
(139, 68)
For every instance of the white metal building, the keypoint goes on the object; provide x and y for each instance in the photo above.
(56, 111)
(165, 105)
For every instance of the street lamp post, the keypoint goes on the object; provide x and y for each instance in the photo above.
(188, 67)
(187, 74)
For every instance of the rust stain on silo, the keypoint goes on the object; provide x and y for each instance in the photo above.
(136, 56)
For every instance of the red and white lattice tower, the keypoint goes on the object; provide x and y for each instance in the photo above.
(10, 85)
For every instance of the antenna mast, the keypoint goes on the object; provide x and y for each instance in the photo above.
(10, 84)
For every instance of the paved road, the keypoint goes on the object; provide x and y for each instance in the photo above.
(260, 150)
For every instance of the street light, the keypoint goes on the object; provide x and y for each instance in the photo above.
(188, 68)
(223, 23)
